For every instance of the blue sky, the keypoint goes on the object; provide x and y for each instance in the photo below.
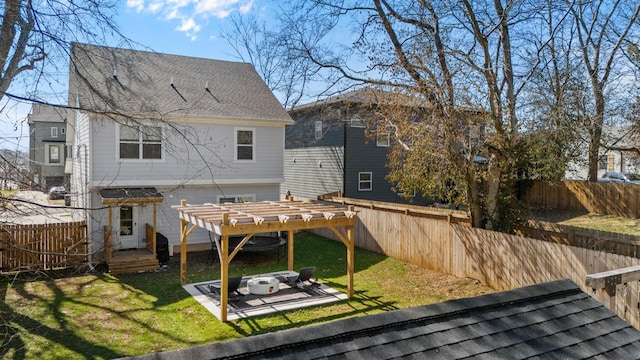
(183, 27)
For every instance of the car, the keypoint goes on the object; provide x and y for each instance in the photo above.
(57, 193)
(616, 177)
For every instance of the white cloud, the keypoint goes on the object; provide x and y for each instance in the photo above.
(188, 26)
(191, 12)
(155, 6)
(244, 9)
(137, 5)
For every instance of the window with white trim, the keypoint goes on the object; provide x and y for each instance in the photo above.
(236, 199)
(53, 154)
(244, 145)
(140, 142)
(54, 132)
(365, 181)
(318, 129)
(357, 122)
(383, 140)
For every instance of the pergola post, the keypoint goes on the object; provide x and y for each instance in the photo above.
(109, 243)
(183, 247)
(290, 249)
(224, 268)
(184, 235)
(350, 255)
(153, 236)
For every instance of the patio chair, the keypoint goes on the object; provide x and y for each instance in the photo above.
(303, 277)
(232, 290)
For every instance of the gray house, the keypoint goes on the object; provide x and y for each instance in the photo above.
(151, 129)
(47, 150)
(328, 151)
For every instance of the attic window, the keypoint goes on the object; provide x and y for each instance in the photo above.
(318, 129)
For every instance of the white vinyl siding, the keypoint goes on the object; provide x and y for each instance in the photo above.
(212, 161)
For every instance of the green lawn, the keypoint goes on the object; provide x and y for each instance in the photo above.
(96, 316)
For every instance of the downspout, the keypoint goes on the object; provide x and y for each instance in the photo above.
(344, 158)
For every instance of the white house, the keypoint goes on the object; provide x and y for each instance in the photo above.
(619, 152)
(150, 129)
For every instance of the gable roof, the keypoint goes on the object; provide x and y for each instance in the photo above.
(142, 84)
(46, 113)
(554, 320)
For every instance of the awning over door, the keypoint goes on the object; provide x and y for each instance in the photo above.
(131, 195)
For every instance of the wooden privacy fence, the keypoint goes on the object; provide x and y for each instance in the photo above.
(617, 243)
(42, 246)
(499, 260)
(583, 196)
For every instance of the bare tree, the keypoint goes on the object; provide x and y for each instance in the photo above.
(462, 64)
(603, 28)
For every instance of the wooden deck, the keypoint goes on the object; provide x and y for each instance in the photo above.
(132, 260)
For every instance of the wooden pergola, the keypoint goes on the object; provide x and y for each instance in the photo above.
(248, 219)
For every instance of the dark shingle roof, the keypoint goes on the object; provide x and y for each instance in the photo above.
(141, 83)
(550, 320)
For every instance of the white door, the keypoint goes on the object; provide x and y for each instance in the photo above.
(128, 227)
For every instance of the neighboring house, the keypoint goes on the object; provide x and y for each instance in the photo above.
(554, 320)
(619, 152)
(151, 129)
(47, 150)
(328, 151)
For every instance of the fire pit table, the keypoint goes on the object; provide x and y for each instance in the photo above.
(263, 285)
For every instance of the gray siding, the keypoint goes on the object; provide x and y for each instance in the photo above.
(313, 171)
(194, 154)
(46, 172)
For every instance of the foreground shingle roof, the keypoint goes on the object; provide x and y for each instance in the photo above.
(551, 320)
(142, 83)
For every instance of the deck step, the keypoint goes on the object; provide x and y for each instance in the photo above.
(131, 262)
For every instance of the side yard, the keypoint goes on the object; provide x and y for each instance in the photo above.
(101, 316)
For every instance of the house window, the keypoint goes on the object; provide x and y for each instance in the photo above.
(54, 132)
(364, 181)
(245, 141)
(356, 122)
(383, 140)
(318, 129)
(54, 154)
(236, 199)
(140, 142)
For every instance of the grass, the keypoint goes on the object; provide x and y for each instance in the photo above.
(96, 316)
(608, 223)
